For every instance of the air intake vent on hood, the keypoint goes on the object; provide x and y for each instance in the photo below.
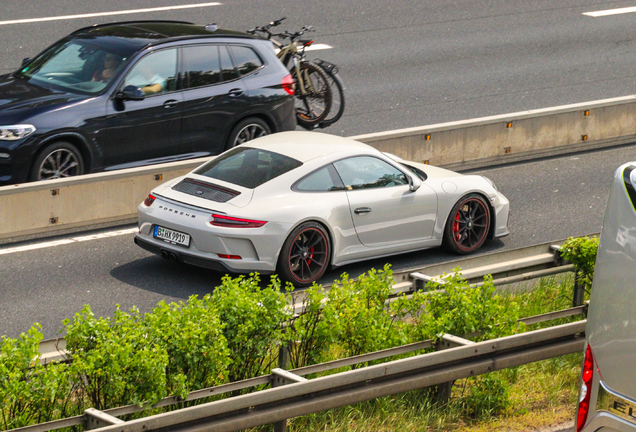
(205, 190)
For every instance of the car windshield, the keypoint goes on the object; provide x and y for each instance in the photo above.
(75, 65)
(248, 167)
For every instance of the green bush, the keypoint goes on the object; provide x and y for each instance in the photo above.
(192, 335)
(357, 314)
(308, 335)
(29, 392)
(581, 252)
(455, 308)
(252, 320)
(115, 363)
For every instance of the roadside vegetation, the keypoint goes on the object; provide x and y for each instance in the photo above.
(235, 333)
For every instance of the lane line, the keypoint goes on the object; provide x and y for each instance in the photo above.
(315, 47)
(97, 14)
(611, 12)
(55, 243)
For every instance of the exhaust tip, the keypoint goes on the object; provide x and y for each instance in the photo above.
(173, 257)
(164, 254)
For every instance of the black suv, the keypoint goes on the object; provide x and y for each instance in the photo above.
(136, 93)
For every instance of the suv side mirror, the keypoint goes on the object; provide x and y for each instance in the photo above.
(414, 183)
(130, 92)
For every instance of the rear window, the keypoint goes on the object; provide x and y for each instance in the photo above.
(248, 167)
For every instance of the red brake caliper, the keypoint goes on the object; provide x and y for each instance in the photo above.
(311, 255)
(456, 226)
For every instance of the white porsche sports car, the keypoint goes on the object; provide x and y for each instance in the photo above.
(298, 202)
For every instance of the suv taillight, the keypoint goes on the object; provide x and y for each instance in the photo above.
(586, 389)
(288, 84)
(148, 201)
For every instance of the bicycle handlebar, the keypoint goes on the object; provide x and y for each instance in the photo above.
(285, 35)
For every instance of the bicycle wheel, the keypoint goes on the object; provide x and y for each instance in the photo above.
(337, 99)
(314, 104)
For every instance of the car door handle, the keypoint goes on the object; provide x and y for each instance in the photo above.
(170, 103)
(362, 210)
(235, 92)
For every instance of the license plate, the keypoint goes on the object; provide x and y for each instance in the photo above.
(171, 236)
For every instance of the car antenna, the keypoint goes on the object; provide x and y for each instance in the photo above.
(212, 27)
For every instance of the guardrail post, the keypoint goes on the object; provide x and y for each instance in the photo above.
(579, 292)
(445, 342)
(95, 419)
(283, 363)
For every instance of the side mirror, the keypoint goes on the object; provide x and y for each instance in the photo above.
(25, 61)
(414, 183)
(130, 92)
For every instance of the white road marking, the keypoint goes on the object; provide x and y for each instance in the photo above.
(611, 12)
(97, 14)
(55, 243)
(315, 47)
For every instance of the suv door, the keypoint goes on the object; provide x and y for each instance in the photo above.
(385, 211)
(213, 98)
(150, 128)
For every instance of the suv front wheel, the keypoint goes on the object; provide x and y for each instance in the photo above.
(58, 160)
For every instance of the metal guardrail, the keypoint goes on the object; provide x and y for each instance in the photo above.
(415, 372)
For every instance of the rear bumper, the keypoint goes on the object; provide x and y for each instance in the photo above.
(181, 257)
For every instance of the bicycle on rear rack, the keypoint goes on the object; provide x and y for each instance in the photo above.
(318, 89)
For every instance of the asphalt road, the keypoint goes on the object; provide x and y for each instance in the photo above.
(406, 63)
(550, 200)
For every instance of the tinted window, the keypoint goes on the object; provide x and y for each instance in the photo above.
(155, 73)
(248, 167)
(75, 65)
(246, 59)
(322, 180)
(202, 65)
(227, 67)
(367, 172)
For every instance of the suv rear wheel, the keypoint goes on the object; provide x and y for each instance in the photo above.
(247, 130)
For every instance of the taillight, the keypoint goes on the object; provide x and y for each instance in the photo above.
(288, 84)
(586, 389)
(229, 256)
(232, 222)
(148, 201)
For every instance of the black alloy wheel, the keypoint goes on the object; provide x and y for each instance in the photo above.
(59, 160)
(247, 130)
(467, 225)
(304, 257)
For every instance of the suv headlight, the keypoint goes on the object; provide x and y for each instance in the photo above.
(492, 183)
(16, 132)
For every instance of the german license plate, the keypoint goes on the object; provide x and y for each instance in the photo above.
(171, 236)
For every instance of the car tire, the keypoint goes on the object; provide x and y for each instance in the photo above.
(247, 130)
(58, 160)
(467, 225)
(305, 255)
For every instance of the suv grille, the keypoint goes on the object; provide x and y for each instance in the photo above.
(205, 190)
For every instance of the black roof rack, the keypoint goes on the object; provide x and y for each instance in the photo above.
(96, 26)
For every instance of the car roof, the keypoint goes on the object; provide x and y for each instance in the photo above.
(305, 146)
(142, 33)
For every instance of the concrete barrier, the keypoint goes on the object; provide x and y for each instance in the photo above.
(56, 205)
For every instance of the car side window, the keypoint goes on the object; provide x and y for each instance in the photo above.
(228, 70)
(202, 65)
(323, 180)
(367, 172)
(247, 60)
(155, 73)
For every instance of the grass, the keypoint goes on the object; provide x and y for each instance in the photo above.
(519, 399)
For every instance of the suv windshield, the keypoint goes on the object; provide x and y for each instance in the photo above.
(74, 65)
(247, 167)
